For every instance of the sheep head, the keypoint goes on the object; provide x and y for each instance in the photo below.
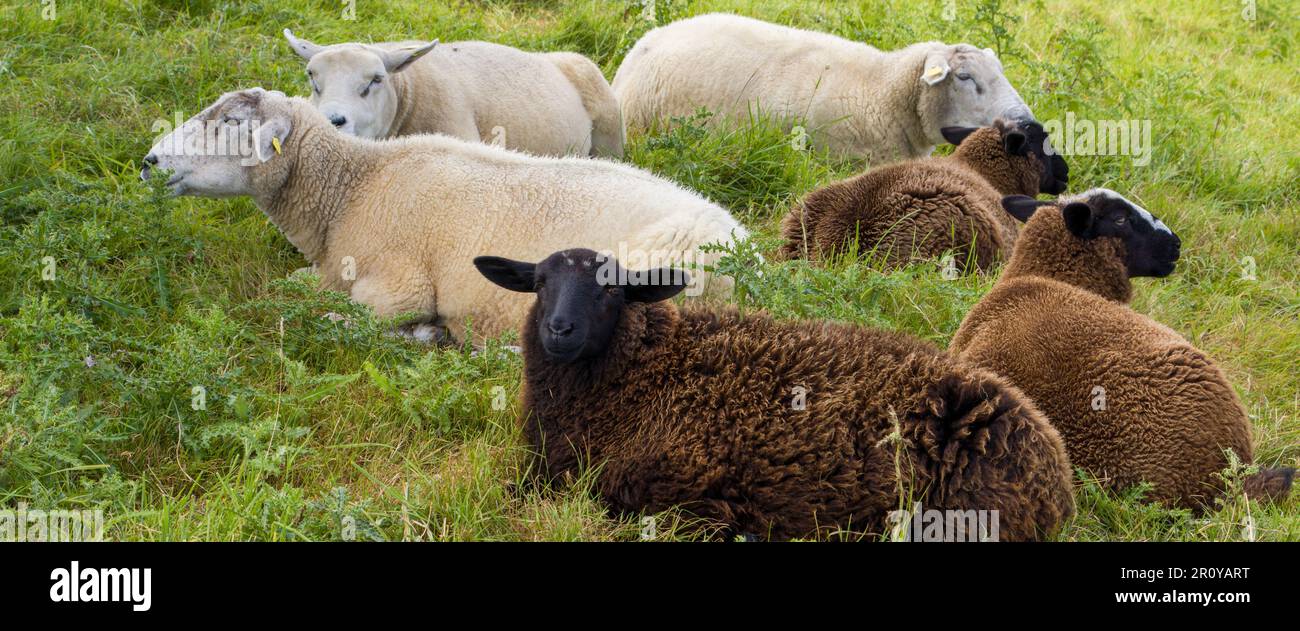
(1097, 240)
(581, 295)
(964, 86)
(214, 153)
(1017, 158)
(351, 83)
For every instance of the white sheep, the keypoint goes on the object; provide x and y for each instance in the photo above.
(397, 222)
(542, 103)
(854, 100)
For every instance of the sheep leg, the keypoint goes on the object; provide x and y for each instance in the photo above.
(424, 332)
(301, 271)
(389, 301)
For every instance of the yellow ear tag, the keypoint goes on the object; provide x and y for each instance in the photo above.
(933, 71)
(275, 142)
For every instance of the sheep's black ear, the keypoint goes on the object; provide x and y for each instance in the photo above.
(1021, 207)
(1014, 142)
(956, 135)
(655, 285)
(513, 275)
(1078, 218)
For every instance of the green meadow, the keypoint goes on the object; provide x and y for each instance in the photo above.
(159, 362)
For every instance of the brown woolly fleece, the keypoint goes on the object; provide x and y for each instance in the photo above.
(695, 409)
(1057, 326)
(919, 209)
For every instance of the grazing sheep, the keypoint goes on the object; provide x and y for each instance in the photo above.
(1134, 400)
(919, 209)
(772, 429)
(395, 222)
(542, 103)
(856, 100)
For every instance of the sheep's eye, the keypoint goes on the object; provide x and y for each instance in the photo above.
(537, 286)
(964, 76)
(229, 120)
(1121, 220)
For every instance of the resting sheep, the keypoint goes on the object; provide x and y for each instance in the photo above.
(705, 411)
(856, 101)
(919, 209)
(395, 222)
(1134, 401)
(543, 103)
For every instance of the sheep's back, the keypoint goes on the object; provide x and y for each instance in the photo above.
(795, 419)
(900, 213)
(438, 203)
(1133, 400)
(536, 109)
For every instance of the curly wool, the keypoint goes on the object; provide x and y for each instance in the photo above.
(696, 409)
(1134, 401)
(920, 209)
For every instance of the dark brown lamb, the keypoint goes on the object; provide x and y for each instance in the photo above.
(769, 429)
(920, 209)
(1134, 401)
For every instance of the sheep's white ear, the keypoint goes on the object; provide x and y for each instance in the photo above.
(269, 137)
(395, 60)
(936, 67)
(304, 48)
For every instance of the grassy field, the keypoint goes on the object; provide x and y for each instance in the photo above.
(122, 310)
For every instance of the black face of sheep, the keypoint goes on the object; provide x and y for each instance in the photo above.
(1056, 173)
(1025, 138)
(1151, 248)
(581, 295)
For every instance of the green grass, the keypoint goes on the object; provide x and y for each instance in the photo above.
(317, 428)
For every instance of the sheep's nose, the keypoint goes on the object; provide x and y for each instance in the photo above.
(150, 161)
(559, 329)
(338, 121)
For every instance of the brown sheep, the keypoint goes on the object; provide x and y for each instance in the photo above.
(1134, 400)
(920, 209)
(768, 429)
